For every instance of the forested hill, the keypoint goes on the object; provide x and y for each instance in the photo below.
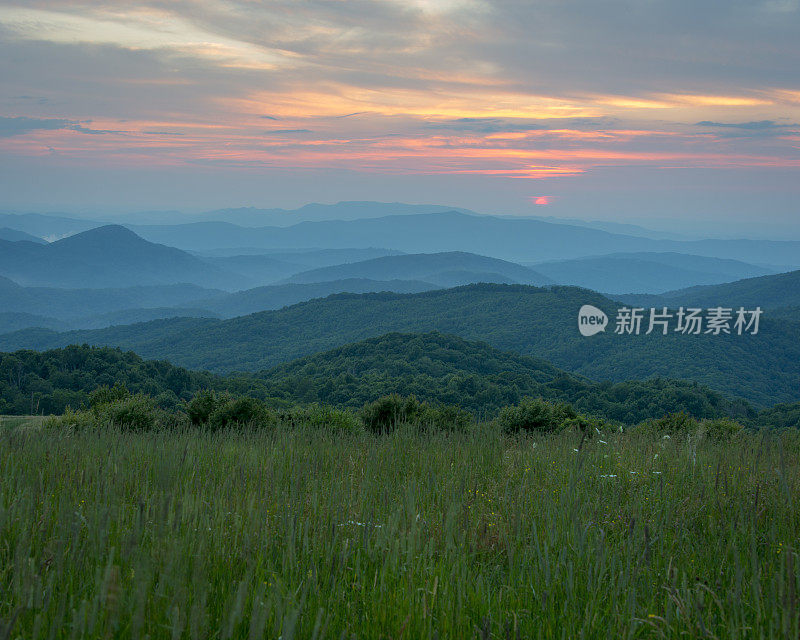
(437, 368)
(446, 369)
(509, 317)
(541, 322)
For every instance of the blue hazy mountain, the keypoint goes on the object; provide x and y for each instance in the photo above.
(110, 256)
(646, 272)
(16, 321)
(445, 269)
(12, 235)
(46, 226)
(257, 269)
(777, 291)
(316, 212)
(514, 239)
(309, 258)
(71, 304)
(283, 295)
(414, 230)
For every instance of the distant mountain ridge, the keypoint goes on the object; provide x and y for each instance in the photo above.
(278, 296)
(774, 291)
(513, 239)
(449, 268)
(105, 257)
(12, 235)
(413, 229)
(643, 272)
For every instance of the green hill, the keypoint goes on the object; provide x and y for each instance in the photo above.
(540, 322)
(445, 369)
(47, 382)
(437, 368)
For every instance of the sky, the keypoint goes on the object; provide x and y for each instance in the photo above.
(682, 113)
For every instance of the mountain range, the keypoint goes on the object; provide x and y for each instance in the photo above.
(515, 239)
(778, 291)
(110, 256)
(540, 322)
(446, 269)
(643, 272)
(12, 235)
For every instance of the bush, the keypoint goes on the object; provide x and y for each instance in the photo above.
(201, 406)
(719, 429)
(671, 424)
(72, 420)
(134, 413)
(104, 395)
(447, 418)
(238, 412)
(321, 416)
(387, 412)
(588, 425)
(383, 415)
(535, 414)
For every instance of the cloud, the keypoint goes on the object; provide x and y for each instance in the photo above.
(761, 125)
(499, 88)
(753, 129)
(20, 125)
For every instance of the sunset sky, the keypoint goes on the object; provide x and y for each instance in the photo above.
(637, 110)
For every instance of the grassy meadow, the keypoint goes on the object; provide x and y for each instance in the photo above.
(303, 533)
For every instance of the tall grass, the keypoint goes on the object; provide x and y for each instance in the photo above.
(306, 534)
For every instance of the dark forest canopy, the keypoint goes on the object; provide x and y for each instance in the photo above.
(436, 368)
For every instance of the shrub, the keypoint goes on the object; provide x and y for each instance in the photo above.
(201, 406)
(719, 429)
(671, 424)
(447, 418)
(71, 420)
(240, 411)
(383, 415)
(321, 416)
(535, 414)
(134, 413)
(387, 412)
(104, 395)
(588, 425)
